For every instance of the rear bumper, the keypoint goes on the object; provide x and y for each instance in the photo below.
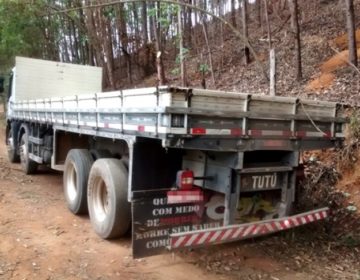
(243, 231)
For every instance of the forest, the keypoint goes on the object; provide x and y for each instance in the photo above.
(186, 42)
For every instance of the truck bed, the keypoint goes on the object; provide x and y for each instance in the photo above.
(193, 118)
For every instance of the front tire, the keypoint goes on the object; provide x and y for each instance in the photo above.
(28, 165)
(12, 151)
(109, 210)
(76, 173)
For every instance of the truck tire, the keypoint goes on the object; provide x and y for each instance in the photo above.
(98, 154)
(12, 151)
(76, 173)
(109, 209)
(125, 161)
(28, 165)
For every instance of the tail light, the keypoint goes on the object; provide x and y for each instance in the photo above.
(185, 179)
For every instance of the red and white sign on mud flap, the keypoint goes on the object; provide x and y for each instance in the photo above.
(158, 214)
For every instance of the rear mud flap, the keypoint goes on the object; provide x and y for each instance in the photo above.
(154, 220)
(158, 225)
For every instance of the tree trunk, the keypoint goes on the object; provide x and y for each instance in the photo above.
(350, 22)
(109, 43)
(94, 48)
(152, 22)
(208, 49)
(66, 49)
(136, 24)
(233, 13)
(272, 88)
(296, 31)
(144, 28)
(181, 49)
(106, 52)
(272, 72)
(71, 36)
(258, 14)
(187, 25)
(222, 39)
(268, 24)
(196, 19)
(245, 31)
(124, 41)
(159, 54)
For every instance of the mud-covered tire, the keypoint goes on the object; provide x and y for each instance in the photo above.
(109, 209)
(76, 173)
(28, 165)
(12, 150)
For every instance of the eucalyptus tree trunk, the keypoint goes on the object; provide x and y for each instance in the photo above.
(272, 58)
(268, 23)
(181, 49)
(158, 46)
(187, 25)
(144, 23)
(293, 4)
(259, 14)
(245, 31)
(206, 36)
(94, 48)
(136, 27)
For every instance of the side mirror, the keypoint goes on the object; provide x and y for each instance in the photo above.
(2, 84)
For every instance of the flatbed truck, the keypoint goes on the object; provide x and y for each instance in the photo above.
(178, 167)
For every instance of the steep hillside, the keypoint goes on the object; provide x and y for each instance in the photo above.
(322, 26)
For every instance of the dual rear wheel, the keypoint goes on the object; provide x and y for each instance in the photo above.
(93, 182)
(98, 185)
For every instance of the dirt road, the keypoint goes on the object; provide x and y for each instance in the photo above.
(41, 239)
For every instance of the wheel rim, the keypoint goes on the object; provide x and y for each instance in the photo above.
(100, 199)
(71, 181)
(23, 151)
